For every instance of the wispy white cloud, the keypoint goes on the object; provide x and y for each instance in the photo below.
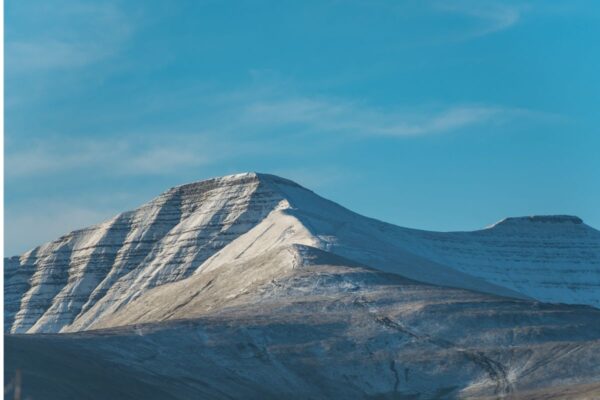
(128, 155)
(489, 16)
(330, 115)
(72, 33)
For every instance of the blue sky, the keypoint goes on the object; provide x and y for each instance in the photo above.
(443, 115)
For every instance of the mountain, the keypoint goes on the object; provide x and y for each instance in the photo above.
(87, 275)
(251, 286)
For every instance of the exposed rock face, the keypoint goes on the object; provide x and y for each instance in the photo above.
(162, 241)
(89, 275)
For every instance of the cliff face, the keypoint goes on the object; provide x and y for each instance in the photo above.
(90, 274)
(162, 241)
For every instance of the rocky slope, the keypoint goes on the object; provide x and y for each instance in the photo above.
(309, 324)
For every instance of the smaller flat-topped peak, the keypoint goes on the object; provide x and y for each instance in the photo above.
(539, 219)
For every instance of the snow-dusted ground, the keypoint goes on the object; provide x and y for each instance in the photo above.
(315, 325)
(285, 294)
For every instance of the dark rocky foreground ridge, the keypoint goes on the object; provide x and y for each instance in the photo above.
(250, 286)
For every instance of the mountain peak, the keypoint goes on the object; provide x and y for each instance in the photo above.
(537, 220)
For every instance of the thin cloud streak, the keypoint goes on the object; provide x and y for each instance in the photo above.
(125, 156)
(341, 116)
(72, 34)
(491, 16)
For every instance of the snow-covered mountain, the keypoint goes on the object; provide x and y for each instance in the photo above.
(85, 276)
(251, 286)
